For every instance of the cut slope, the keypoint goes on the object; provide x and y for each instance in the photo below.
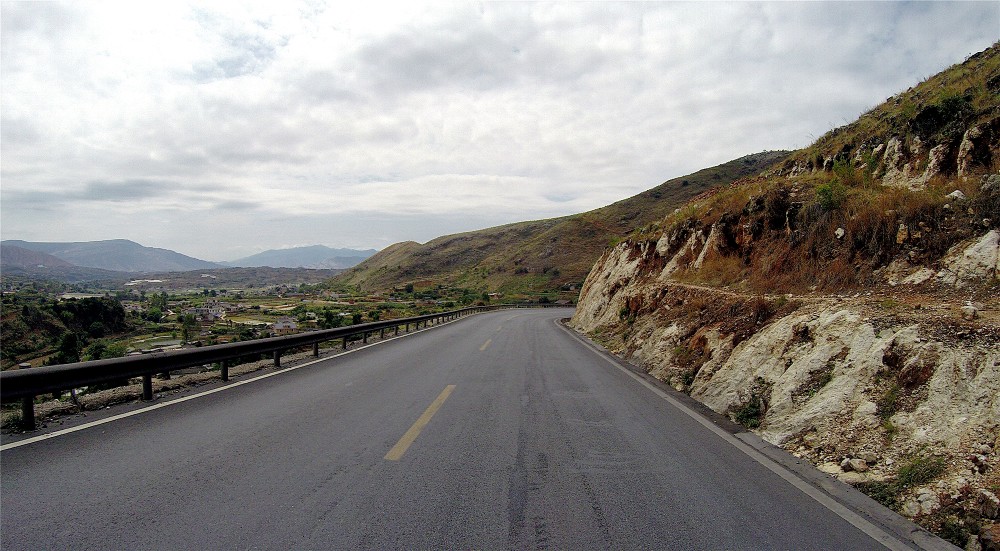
(880, 354)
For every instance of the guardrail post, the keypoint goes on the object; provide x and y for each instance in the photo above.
(316, 349)
(28, 413)
(147, 387)
(407, 327)
(397, 330)
(381, 333)
(344, 341)
(224, 368)
(277, 358)
(364, 338)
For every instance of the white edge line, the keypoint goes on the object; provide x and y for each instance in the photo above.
(823, 499)
(91, 424)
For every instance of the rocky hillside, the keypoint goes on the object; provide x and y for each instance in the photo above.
(541, 255)
(846, 305)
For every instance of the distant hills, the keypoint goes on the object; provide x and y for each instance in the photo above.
(18, 261)
(119, 255)
(117, 259)
(541, 255)
(12, 255)
(315, 256)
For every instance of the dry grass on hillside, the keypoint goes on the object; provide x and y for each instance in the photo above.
(778, 235)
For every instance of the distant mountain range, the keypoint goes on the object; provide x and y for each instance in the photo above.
(119, 255)
(18, 261)
(315, 256)
(111, 259)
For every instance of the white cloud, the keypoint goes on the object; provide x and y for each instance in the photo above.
(366, 123)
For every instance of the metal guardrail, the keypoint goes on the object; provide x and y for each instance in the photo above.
(25, 384)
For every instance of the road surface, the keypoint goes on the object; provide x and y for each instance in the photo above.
(497, 431)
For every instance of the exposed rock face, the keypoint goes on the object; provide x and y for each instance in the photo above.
(898, 170)
(967, 263)
(908, 161)
(978, 148)
(965, 150)
(901, 165)
(826, 343)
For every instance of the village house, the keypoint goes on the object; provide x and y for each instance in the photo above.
(285, 326)
(207, 313)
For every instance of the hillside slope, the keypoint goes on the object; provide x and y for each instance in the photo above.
(20, 262)
(846, 305)
(541, 255)
(12, 256)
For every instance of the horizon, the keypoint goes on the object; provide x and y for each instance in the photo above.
(229, 130)
(293, 247)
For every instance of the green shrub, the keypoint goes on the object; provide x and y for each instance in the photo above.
(919, 470)
(883, 491)
(831, 195)
(885, 406)
(954, 531)
(750, 413)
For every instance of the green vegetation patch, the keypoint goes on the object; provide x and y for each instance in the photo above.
(750, 413)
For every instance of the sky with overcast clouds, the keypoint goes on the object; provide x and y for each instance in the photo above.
(222, 129)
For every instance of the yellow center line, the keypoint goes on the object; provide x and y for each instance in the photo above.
(485, 345)
(397, 451)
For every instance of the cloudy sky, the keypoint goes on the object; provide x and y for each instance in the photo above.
(222, 129)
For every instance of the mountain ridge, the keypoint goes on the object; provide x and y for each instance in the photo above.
(119, 255)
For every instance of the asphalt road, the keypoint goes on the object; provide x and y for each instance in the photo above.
(529, 440)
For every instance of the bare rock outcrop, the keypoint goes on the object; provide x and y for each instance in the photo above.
(968, 262)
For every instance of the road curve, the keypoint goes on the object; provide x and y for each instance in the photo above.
(540, 443)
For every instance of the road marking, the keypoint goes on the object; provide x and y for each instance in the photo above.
(120, 416)
(397, 451)
(837, 508)
(485, 345)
